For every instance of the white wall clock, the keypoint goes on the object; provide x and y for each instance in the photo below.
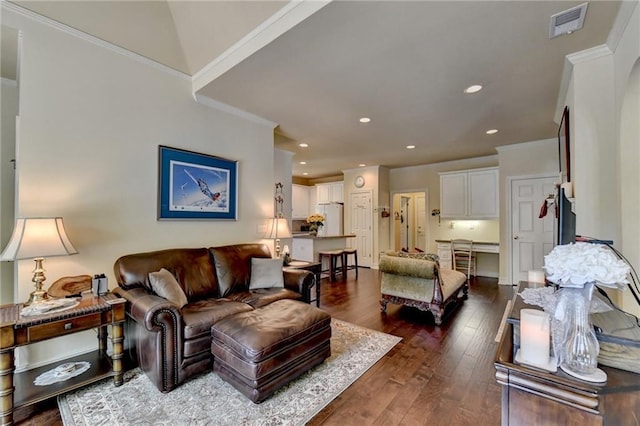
(359, 182)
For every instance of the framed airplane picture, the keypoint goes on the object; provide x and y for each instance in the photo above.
(196, 186)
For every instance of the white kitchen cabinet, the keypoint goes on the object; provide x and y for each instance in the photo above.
(330, 192)
(469, 194)
(483, 193)
(300, 205)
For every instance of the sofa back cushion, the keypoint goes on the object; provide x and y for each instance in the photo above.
(233, 265)
(192, 268)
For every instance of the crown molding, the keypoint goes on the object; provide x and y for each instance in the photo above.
(522, 145)
(567, 72)
(5, 5)
(220, 106)
(279, 23)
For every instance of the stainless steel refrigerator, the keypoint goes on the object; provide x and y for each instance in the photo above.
(333, 218)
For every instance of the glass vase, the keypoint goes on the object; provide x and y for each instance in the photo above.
(580, 347)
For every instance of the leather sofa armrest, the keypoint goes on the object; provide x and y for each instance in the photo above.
(301, 281)
(159, 340)
(144, 308)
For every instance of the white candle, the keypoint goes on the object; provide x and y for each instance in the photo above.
(536, 276)
(534, 336)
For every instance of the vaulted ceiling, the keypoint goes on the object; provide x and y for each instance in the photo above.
(315, 68)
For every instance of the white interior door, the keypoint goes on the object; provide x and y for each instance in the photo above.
(421, 220)
(531, 236)
(405, 218)
(361, 217)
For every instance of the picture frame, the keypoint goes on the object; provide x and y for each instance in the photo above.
(196, 186)
(564, 140)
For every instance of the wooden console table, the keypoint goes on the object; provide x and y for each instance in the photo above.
(534, 397)
(18, 390)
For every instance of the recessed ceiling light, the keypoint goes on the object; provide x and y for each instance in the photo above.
(473, 89)
(492, 131)
(303, 162)
(362, 165)
(365, 120)
(305, 174)
(303, 145)
(411, 146)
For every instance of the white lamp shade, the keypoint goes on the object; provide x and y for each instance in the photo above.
(38, 237)
(278, 227)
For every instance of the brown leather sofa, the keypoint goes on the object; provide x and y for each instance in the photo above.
(173, 344)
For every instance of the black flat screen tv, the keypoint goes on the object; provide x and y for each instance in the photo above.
(566, 220)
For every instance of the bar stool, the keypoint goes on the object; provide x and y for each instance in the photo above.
(332, 256)
(345, 260)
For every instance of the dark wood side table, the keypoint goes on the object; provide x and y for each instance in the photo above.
(18, 390)
(532, 397)
(316, 268)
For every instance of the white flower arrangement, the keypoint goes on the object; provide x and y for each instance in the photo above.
(575, 264)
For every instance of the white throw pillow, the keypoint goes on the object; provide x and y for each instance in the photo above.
(165, 285)
(266, 273)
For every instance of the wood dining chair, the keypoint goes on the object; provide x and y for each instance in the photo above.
(464, 260)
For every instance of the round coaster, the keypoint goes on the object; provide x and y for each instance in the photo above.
(597, 376)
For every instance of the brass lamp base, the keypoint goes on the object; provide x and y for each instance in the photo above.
(38, 295)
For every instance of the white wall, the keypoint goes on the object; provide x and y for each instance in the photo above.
(603, 95)
(626, 63)
(92, 120)
(536, 158)
(9, 108)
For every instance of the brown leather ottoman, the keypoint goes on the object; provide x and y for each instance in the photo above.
(260, 351)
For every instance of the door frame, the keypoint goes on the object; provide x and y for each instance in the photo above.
(510, 181)
(400, 192)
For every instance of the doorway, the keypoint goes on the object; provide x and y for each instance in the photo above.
(531, 236)
(361, 215)
(409, 230)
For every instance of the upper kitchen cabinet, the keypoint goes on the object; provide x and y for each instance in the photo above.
(300, 201)
(469, 194)
(330, 192)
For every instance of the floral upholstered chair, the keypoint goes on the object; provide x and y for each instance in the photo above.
(416, 280)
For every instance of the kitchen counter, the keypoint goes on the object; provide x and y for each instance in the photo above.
(489, 243)
(306, 247)
(487, 257)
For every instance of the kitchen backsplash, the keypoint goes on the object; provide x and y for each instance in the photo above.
(478, 230)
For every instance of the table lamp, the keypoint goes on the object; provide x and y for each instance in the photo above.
(277, 228)
(35, 238)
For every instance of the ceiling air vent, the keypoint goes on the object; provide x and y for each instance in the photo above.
(568, 21)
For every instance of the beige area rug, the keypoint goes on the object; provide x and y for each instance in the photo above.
(208, 400)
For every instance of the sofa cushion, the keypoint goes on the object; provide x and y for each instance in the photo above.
(264, 296)
(198, 317)
(164, 284)
(192, 268)
(233, 265)
(424, 256)
(266, 273)
(451, 281)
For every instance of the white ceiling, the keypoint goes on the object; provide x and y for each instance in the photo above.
(403, 64)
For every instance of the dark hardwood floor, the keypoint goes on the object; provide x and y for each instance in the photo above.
(434, 376)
